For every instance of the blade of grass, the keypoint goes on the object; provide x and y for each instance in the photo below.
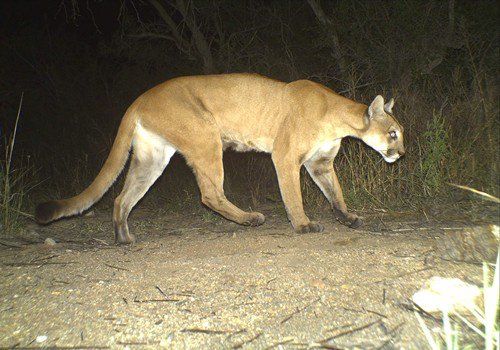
(491, 295)
(484, 194)
(427, 333)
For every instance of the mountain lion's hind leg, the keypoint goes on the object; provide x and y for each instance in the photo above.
(323, 174)
(206, 162)
(151, 156)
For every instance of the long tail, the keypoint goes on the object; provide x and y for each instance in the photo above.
(56, 209)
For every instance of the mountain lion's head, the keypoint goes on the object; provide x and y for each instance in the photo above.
(383, 133)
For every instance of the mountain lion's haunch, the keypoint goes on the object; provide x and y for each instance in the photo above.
(299, 123)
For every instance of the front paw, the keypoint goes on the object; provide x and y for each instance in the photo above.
(356, 223)
(311, 227)
(254, 219)
(348, 219)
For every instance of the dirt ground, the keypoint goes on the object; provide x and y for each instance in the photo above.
(200, 282)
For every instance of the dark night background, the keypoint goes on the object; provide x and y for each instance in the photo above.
(80, 64)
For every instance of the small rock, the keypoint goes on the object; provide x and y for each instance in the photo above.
(90, 213)
(317, 283)
(41, 338)
(50, 241)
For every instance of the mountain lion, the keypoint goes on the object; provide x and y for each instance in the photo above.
(299, 123)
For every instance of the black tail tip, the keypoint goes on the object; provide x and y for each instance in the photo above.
(46, 212)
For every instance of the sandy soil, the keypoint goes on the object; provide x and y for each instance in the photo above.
(200, 282)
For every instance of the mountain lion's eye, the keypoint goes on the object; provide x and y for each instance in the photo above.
(393, 135)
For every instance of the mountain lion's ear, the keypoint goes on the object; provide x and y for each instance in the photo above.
(388, 106)
(376, 107)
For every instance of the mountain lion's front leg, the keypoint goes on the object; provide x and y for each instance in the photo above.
(323, 174)
(289, 181)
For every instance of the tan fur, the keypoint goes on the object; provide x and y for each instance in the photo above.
(299, 123)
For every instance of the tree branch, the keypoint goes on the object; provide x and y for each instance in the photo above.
(328, 26)
(199, 39)
(179, 41)
(183, 44)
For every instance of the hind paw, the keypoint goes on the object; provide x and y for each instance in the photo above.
(311, 227)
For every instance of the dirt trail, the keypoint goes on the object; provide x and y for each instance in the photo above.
(194, 284)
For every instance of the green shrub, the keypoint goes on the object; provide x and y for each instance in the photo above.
(435, 154)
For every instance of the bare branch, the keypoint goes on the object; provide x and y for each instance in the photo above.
(447, 41)
(152, 35)
(318, 12)
(199, 39)
(183, 44)
(179, 41)
(327, 24)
